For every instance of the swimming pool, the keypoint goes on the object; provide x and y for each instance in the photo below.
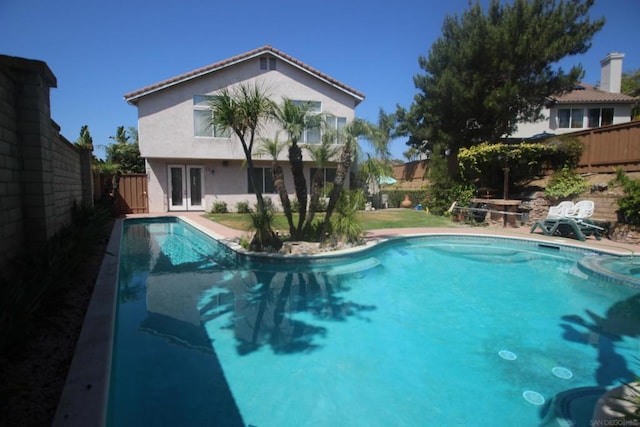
(418, 331)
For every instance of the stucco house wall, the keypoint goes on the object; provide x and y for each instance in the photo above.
(584, 97)
(166, 124)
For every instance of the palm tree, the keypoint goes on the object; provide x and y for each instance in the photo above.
(382, 133)
(321, 154)
(370, 172)
(380, 136)
(294, 119)
(243, 110)
(273, 148)
(351, 133)
(125, 152)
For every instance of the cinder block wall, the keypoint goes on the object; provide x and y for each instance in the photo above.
(41, 173)
(11, 225)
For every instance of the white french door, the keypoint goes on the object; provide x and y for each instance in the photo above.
(186, 187)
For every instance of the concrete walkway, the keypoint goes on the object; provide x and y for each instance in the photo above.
(222, 232)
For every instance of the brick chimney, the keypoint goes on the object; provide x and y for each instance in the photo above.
(611, 72)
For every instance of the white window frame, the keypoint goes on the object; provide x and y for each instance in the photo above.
(600, 116)
(573, 122)
(201, 108)
(336, 124)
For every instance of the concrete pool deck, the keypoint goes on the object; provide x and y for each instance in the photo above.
(83, 401)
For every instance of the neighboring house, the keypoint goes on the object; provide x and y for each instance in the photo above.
(191, 166)
(586, 106)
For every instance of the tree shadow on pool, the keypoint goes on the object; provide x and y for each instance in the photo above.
(603, 333)
(621, 319)
(286, 310)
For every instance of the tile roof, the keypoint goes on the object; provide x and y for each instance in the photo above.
(132, 97)
(585, 92)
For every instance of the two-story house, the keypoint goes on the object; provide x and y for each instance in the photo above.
(190, 166)
(586, 106)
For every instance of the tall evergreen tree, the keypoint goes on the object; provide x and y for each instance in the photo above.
(85, 140)
(490, 70)
(630, 85)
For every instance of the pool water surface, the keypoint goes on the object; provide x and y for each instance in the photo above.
(419, 331)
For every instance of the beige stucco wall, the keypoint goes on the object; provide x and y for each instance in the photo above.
(222, 183)
(166, 130)
(165, 118)
(621, 114)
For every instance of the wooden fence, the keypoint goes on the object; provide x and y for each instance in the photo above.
(132, 196)
(609, 147)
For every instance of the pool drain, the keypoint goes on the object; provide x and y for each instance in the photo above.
(561, 372)
(533, 397)
(507, 355)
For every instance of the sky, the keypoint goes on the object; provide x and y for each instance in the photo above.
(100, 50)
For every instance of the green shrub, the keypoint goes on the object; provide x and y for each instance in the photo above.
(485, 163)
(565, 183)
(219, 207)
(268, 205)
(243, 207)
(629, 203)
(44, 272)
(345, 223)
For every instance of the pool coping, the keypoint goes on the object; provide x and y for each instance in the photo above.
(84, 398)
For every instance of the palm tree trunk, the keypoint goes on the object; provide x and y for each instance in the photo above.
(300, 184)
(338, 184)
(281, 189)
(316, 184)
(252, 178)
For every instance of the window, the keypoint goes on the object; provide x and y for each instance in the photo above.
(311, 134)
(270, 61)
(328, 176)
(600, 117)
(202, 116)
(264, 181)
(570, 118)
(336, 124)
(314, 106)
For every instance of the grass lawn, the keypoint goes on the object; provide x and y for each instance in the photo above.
(386, 218)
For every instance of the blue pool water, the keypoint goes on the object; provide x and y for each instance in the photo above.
(421, 331)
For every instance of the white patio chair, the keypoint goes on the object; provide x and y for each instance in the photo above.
(560, 210)
(581, 210)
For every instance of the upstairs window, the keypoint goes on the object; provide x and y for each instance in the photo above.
(336, 125)
(600, 117)
(311, 134)
(202, 116)
(267, 63)
(571, 118)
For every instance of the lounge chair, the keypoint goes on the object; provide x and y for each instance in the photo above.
(581, 210)
(560, 210)
(570, 219)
